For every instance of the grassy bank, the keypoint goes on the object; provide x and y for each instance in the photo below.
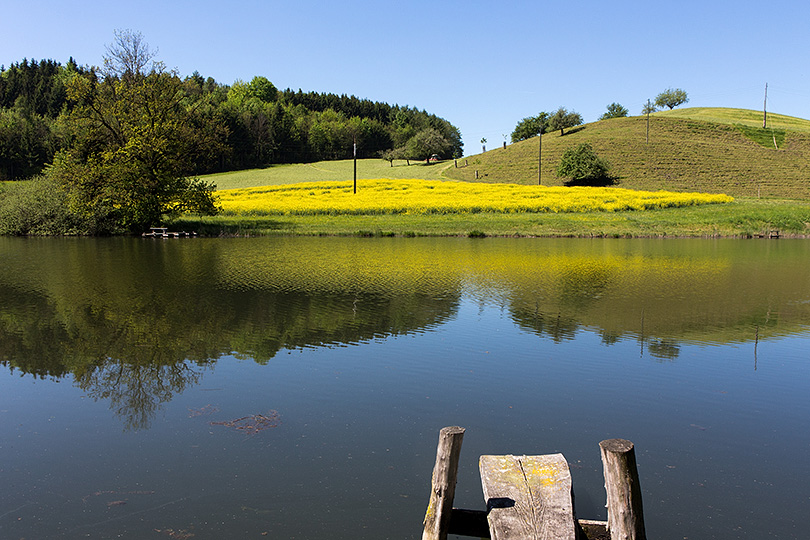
(741, 218)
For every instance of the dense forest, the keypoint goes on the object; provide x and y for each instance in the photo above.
(250, 124)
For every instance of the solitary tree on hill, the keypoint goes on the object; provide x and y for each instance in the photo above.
(671, 98)
(583, 167)
(614, 110)
(562, 119)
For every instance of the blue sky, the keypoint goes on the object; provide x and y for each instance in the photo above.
(481, 65)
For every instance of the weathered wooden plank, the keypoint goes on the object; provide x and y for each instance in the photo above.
(443, 484)
(528, 497)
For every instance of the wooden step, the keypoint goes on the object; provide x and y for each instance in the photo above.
(528, 497)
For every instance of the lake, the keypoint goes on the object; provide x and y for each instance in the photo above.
(295, 387)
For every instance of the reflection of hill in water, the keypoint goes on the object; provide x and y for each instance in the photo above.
(734, 292)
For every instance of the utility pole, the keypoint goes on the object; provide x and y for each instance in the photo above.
(354, 152)
(648, 122)
(540, 159)
(765, 109)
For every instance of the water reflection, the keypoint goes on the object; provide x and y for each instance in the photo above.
(135, 322)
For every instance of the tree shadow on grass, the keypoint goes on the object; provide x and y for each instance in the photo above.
(576, 129)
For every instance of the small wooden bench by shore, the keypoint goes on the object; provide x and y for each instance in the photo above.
(531, 497)
(163, 232)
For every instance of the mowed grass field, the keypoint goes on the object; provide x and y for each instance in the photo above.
(329, 171)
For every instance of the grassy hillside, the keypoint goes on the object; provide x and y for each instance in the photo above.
(700, 149)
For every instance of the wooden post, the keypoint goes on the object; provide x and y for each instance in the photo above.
(354, 153)
(443, 484)
(540, 158)
(625, 516)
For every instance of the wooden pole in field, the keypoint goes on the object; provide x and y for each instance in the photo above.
(354, 152)
(443, 484)
(765, 110)
(625, 515)
(540, 158)
(647, 140)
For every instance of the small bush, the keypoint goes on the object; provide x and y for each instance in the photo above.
(584, 168)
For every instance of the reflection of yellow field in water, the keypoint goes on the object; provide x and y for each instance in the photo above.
(668, 289)
(434, 197)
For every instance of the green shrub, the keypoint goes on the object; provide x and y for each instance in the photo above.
(583, 167)
(37, 207)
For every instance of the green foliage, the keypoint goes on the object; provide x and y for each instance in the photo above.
(262, 125)
(530, 127)
(648, 108)
(38, 207)
(671, 98)
(583, 167)
(614, 110)
(426, 143)
(562, 119)
(136, 142)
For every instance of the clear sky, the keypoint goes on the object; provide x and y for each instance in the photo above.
(483, 66)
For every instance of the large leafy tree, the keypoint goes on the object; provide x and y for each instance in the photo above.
(671, 98)
(426, 143)
(137, 139)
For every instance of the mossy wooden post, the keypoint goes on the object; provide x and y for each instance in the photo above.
(625, 516)
(443, 484)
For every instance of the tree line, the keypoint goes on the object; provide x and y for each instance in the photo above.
(120, 148)
(257, 125)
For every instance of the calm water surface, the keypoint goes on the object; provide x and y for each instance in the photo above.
(129, 364)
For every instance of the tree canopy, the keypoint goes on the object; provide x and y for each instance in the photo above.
(671, 98)
(530, 127)
(563, 119)
(135, 141)
(260, 124)
(583, 167)
(614, 110)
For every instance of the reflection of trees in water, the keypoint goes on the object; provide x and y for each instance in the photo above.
(137, 352)
(557, 327)
(136, 391)
(663, 349)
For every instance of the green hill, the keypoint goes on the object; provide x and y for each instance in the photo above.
(714, 150)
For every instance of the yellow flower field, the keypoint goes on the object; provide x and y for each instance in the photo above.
(385, 196)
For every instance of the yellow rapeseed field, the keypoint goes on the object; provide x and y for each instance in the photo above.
(385, 196)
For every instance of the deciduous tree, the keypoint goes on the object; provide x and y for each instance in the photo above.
(530, 127)
(671, 98)
(562, 119)
(137, 140)
(614, 110)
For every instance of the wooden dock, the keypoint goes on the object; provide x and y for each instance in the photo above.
(531, 497)
(163, 232)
